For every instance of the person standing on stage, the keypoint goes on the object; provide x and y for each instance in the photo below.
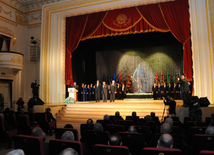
(92, 92)
(104, 91)
(169, 89)
(97, 91)
(172, 105)
(158, 91)
(77, 89)
(81, 92)
(88, 93)
(154, 90)
(112, 91)
(85, 92)
(184, 88)
(123, 90)
(175, 89)
(35, 88)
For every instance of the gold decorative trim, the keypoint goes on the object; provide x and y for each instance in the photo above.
(35, 18)
(8, 21)
(6, 31)
(30, 26)
(5, 12)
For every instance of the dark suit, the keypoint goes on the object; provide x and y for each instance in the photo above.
(119, 92)
(169, 90)
(35, 89)
(154, 89)
(172, 105)
(97, 92)
(112, 92)
(184, 89)
(158, 92)
(175, 89)
(123, 90)
(105, 91)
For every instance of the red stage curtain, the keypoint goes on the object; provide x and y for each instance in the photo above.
(74, 30)
(169, 16)
(176, 17)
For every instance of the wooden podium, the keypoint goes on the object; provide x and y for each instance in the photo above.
(72, 93)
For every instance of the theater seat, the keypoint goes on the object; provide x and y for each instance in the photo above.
(201, 142)
(31, 145)
(112, 128)
(206, 152)
(126, 123)
(134, 141)
(100, 149)
(161, 151)
(84, 127)
(59, 132)
(6, 134)
(57, 145)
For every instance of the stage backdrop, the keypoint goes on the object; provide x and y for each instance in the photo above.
(156, 52)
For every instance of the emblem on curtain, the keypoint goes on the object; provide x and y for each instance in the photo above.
(121, 20)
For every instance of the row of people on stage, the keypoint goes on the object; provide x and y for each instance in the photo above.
(171, 89)
(102, 91)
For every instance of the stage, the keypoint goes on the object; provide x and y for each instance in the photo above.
(79, 112)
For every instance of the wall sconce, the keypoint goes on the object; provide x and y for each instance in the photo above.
(14, 42)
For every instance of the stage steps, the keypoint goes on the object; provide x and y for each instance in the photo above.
(79, 112)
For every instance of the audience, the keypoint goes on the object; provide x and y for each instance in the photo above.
(98, 127)
(16, 152)
(89, 121)
(169, 120)
(134, 114)
(132, 129)
(68, 151)
(210, 130)
(115, 140)
(148, 118)
(68, 135)
(106, 117)
(69, 126)
(165, 141)
(165, 128)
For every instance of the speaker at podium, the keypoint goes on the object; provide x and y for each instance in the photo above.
(72, 92)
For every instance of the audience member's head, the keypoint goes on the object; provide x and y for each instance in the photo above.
(152, 114)
(148, 118)
(134, 114)
(210, 130)
(7, 111)
(106, 117)
(38, 132)
(69, 126)
(115, 120)
(115, 139)
(169, 120)
(67, 135)
(165, 128)
(16, 152)
(1, 115)
(89, 121)
(48, 110)
(98, 127)
(117, 113)
(68, 151)
(165, 141)
(132, 129)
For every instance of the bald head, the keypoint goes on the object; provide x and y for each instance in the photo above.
(165, 141)
(169, 120)
(210, 130)
(132, 129)
(165, 128)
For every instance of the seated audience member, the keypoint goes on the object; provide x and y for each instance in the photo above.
(210, 130)
(7, 125)
(98, 127)
(8, 111)
(49, 115)
(20, 104)
(68, 151)
(22, 111)
(165, 141)
(68, 135)
(16, 152)
(89, 121)
(165, 128)
(169, 120)
(132, 129)
(69, 126)
(152, 114)
(148, 118)
(106, 117)
(134, 114)
(212, 119)
(38, 132)
(115, 140)
(117, 114)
